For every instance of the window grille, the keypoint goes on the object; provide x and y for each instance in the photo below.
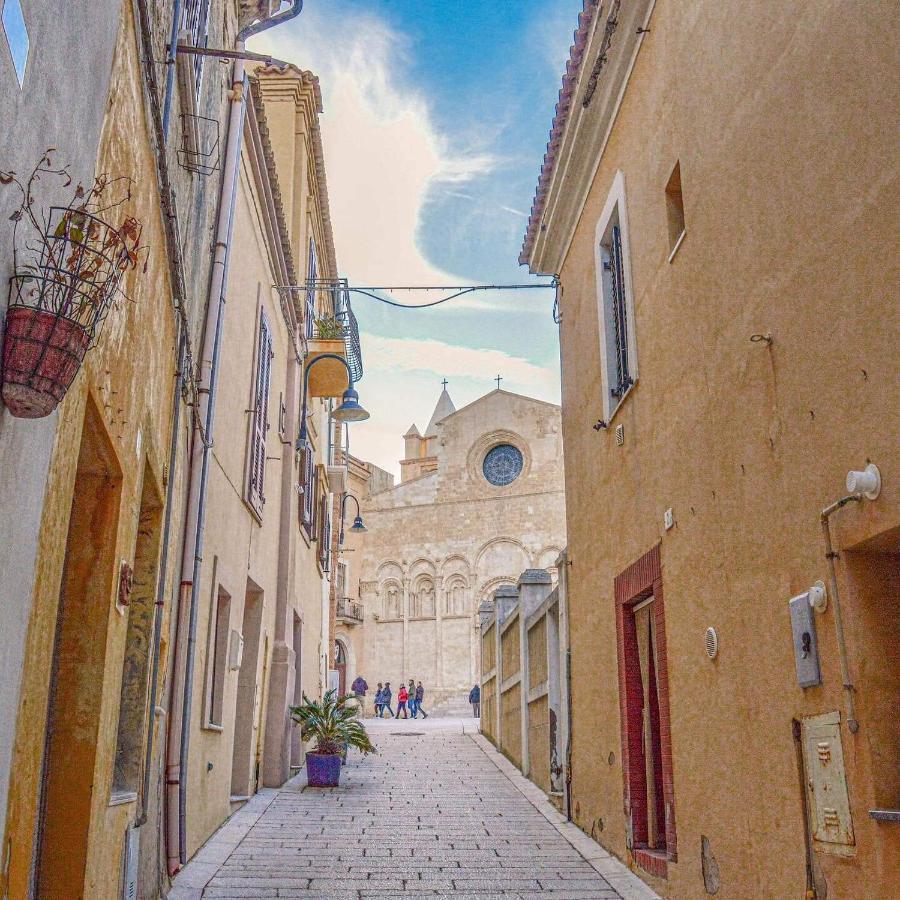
(196, 23)
(257, 468)
(615, 267)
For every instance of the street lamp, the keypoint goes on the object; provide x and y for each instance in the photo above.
(357, 527)
(348, 411)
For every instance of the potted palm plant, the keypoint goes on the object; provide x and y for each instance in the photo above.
(333, 723)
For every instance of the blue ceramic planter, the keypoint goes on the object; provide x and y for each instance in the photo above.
(323, 769)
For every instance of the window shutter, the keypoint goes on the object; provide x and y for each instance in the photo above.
(308, 497)
(257, 469)
(311, 275)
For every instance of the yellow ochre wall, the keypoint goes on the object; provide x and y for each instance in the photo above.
(128, 378)
(777, 114)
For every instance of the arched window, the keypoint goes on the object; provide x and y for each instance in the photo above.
(340, 654)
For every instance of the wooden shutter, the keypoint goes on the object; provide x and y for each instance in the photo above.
(257, 468)
(307, 483)
(324, 532)
(311, 275)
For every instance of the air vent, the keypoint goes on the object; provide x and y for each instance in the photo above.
(712, 643)
(620, 435)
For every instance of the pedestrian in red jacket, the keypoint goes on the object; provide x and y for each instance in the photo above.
(402, 697)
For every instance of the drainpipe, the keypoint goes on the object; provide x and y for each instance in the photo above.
(192, 555)
(171, 55)
(831, 555)
(162, 578)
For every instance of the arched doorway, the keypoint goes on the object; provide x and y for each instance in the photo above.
(340, 665)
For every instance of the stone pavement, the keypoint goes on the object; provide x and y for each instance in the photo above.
(431, 815)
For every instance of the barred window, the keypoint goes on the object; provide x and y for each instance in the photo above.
(195, 22)
(616, 309)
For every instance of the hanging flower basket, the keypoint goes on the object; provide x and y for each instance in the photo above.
(58, 302)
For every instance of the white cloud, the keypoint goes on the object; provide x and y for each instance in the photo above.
(383, 152)
(429, 355)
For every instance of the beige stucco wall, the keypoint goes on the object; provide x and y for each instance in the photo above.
(782, 124)
(455, 527)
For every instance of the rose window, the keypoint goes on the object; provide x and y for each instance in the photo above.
(503, 464)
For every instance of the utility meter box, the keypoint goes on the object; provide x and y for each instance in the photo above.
(826, 785)
(806, 649)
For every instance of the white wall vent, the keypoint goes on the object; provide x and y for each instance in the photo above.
(130, 864)
(712, 643)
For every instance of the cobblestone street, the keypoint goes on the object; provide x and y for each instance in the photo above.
(431, 815)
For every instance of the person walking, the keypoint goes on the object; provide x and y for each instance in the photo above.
(412, 696)
(402, 698)
(420, 696)
(386, 699)
(475, 700)
(359, 688)
(378, 706)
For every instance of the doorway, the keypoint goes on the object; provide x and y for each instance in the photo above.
(651, 747)
(296, 743)
(340, 665)
(246, 727)
(77, 668)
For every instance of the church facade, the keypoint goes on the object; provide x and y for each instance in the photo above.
(481, 498)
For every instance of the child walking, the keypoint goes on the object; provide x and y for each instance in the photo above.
(402, 697)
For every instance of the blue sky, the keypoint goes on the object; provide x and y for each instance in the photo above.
(436, 119)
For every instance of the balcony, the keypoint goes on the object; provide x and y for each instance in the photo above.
(338, 335)
(349, 612)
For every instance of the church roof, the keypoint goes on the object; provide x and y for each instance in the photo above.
(412, 431)
(443, 409)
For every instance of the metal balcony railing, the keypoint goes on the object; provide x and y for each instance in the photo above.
(349, 609)
(342, 324)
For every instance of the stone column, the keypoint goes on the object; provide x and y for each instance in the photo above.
(404, 655)
(534, 587)
(439, 601)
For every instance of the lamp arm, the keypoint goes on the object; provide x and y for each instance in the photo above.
(301, 435)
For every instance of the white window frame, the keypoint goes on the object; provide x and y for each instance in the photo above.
(615, 206)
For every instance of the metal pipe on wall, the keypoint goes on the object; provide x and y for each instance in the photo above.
(192, 555)
(830, 556)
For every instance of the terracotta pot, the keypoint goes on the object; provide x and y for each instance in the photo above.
(323, 769)
(41, 356)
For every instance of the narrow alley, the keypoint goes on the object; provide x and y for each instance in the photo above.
(436, 813)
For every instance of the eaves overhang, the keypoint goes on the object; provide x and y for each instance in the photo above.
(607, 40)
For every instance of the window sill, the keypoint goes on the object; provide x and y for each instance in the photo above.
(620, 404)
(654, 862)
(677, 245)
(211, 726)
(122, 798)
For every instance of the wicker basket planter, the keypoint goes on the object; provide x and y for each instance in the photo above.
(41, 356)
(60, 297)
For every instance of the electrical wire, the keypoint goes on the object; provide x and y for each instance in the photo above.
(458, 291)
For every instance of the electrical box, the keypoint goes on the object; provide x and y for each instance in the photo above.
(806, 649)
(826, 784)
(236, 650)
